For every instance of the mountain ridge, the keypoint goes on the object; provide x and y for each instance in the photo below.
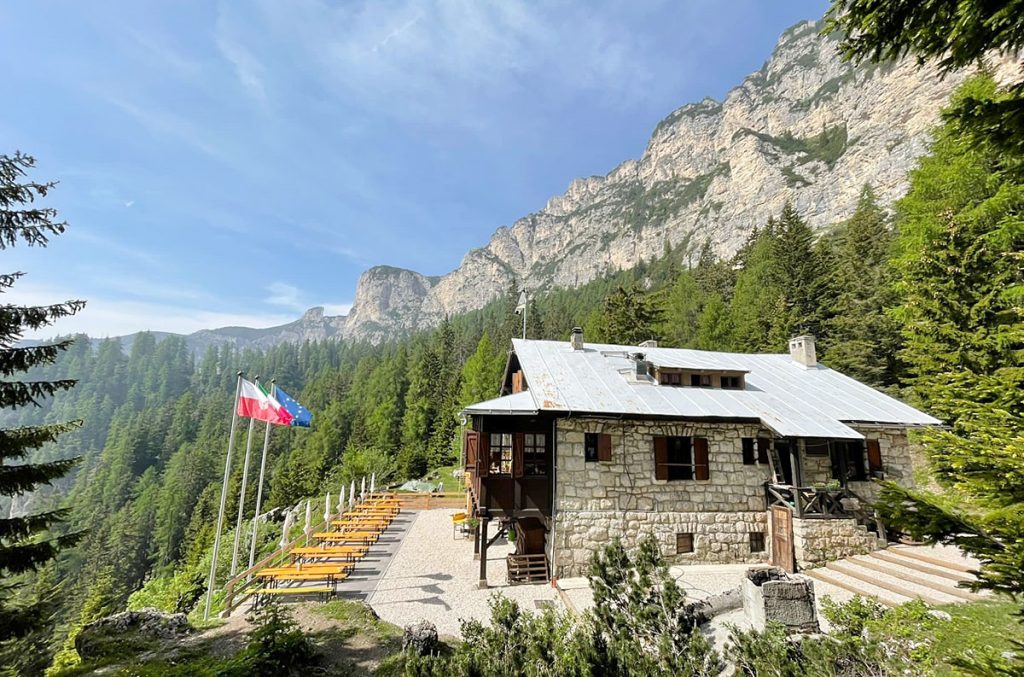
(805, 128)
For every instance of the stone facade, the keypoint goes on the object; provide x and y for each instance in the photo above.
(598, 501)
(817, 541)
(898, 461)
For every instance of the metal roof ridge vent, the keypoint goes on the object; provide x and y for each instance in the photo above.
(802, 350)
(576, 338)
(649, 343)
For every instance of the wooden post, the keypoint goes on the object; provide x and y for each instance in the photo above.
(483, 553)
(476, 540)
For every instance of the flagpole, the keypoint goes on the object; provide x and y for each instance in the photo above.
(223, 499)
(259, 496)
(241, 493)
(259, 490)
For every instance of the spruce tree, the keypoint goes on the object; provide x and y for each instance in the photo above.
(630, 316)
(960, 284)
(861, 339)
(683, 304)
(27, 541)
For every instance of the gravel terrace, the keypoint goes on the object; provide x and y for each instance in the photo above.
(434, 577)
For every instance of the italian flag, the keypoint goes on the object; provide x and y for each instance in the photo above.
(254, 402)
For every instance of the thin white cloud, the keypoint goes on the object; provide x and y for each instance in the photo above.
(109, 245)
(434, 62)
(337, 308)
(249, 71)
(104, 316)
(285, 295)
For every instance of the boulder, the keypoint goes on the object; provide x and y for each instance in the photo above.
(130, 631)
(770, 594)
(420, 638)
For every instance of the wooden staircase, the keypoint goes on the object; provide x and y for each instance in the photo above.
(527, 569)
(899, 574)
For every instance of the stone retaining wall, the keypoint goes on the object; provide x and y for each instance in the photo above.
(817, 541)
(722, 537)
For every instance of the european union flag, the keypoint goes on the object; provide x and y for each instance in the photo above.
(300, 415)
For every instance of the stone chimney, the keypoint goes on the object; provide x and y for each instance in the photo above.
(801, 349)
(649, 343)
(576, 338)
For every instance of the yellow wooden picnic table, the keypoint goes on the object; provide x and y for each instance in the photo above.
(347, 552)
(341, 537)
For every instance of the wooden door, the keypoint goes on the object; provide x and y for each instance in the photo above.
(783, 554)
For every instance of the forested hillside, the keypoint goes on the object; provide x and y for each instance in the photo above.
(156, 418)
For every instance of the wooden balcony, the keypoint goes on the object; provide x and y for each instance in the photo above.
(809, 502)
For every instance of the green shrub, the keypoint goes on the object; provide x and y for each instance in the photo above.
(276, 646)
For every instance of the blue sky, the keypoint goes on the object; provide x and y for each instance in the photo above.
(238, 162)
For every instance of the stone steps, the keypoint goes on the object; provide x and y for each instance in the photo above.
(898, 575)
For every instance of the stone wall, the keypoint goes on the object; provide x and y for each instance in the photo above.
(817, 541)
(898, 461)
(596, 502)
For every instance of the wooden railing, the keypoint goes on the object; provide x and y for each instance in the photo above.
(242, 586)
(238, 589)
(433, 499)
(808, 502)
(527, 568)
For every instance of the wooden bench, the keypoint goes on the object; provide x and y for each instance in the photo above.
(264, 594)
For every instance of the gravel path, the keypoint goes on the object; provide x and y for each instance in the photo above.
(433, 576)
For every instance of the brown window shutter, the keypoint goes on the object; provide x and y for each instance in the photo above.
(484, 457)
(517, 382)
(660, 458)
(517, 454)
(604, 447)
(874, 456)
(762, 450)
(472, 445)
(702, 468)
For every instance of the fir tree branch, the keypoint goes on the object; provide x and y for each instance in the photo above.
(18, 479)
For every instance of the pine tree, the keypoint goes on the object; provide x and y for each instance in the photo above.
(683, 304)
(630, 316)
(27, 542)
(860, 339)
(481, 376)
(960, 284)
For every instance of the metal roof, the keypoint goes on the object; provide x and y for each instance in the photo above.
(517, 404)
(788, 398)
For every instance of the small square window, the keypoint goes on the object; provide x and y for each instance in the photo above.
(749, 454)
(756, 541)
(684, 543)
(590, 447)
(731, 382)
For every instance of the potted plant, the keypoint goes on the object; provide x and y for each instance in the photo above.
(510, 535)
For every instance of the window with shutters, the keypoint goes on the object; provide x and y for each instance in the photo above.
(597, 447)
(535, 461)
(501, 454)
(684, 543)
(681, 458)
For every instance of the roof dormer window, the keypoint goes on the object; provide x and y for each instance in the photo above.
(698, 378)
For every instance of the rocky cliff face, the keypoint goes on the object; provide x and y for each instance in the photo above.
(806, 128)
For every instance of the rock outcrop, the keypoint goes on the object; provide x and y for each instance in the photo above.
(806, 128)
(130, 632)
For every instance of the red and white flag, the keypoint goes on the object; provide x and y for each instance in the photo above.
(254, 402)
